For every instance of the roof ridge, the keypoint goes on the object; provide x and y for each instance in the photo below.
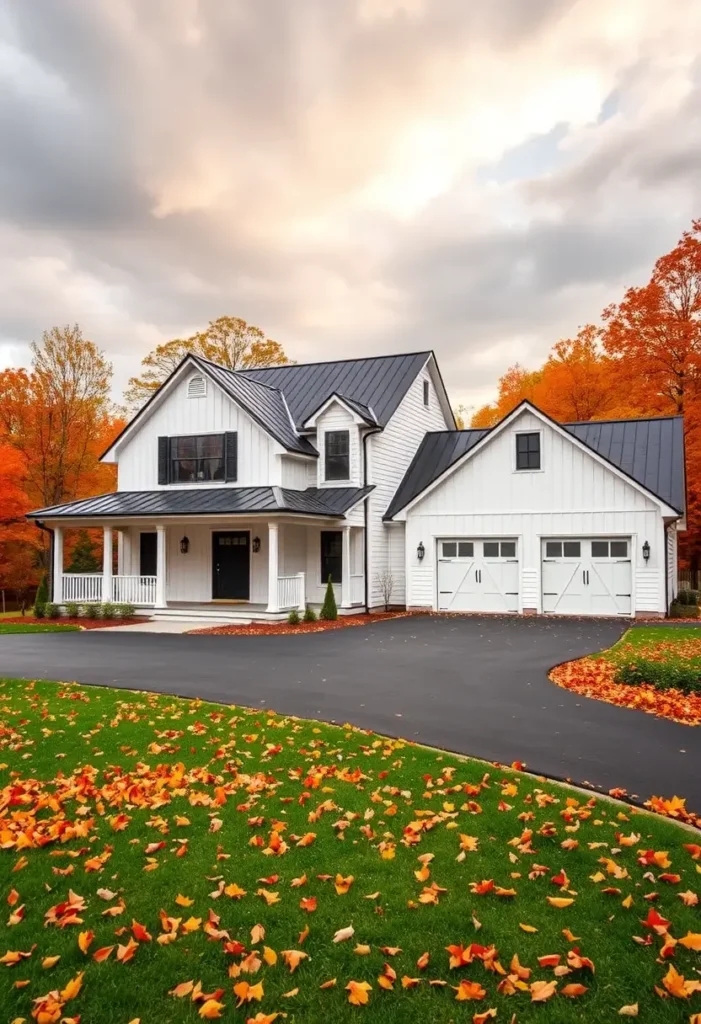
(229, 369)
(325, 362)
(621, 419)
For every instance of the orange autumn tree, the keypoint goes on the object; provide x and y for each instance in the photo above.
(55, 420)
(644, 360)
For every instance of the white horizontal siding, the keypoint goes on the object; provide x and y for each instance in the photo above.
(391, 452)
(137, 458)
(530, 582)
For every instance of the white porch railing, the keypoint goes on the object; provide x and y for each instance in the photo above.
(291, 592)
(79, 587)
(134, 590)
(87, 588)
(357, 588)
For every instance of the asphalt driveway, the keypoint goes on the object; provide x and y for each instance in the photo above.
(474, 685)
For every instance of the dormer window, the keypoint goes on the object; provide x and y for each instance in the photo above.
(337, 455)
(197, 387)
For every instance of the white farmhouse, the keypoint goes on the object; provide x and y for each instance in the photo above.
(240, 493)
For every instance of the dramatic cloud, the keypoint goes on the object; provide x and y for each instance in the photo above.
(355, 177)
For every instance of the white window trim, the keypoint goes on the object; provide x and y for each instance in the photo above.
(515, 434)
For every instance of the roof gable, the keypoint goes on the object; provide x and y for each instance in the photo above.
(649, 452)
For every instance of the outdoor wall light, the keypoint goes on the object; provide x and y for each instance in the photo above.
(185, 545)
(646, 551)
(256, 545)
(420, 551)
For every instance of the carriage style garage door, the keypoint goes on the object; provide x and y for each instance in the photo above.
(587, 576)
(477, 575)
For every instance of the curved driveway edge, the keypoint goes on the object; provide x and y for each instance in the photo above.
(478, 686)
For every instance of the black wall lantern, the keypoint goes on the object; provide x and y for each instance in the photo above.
(256, 545)
(184, 545)
(420, 551)
(646, 551)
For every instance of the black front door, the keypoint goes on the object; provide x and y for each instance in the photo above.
(231, 565)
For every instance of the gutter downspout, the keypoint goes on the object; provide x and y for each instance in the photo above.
(50, 570)
(366, 435)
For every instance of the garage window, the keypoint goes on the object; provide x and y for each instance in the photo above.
(572, 549)
(553, 549)
(466, 549)
(508, 549)
(450, 549)
(599, 549)
(528, 451)
(619, 549)
(491, 549)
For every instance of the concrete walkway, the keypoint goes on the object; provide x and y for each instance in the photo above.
(474, 685)
(166, 626)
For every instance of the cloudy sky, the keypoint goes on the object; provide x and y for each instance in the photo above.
(354, 176)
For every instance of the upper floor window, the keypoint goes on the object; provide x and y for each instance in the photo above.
(337, 455)
(427, 392)
(197, 458)
(528, 451)
(197, 387)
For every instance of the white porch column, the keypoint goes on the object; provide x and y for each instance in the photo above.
(106, 563)
(273, 605)
(160, 566)
(346, 601)
(57, 568)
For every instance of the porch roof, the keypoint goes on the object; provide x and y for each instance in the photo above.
(186, 501)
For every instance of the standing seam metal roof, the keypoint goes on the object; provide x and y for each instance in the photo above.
(209, 501)
(650, 451)
(378, 383)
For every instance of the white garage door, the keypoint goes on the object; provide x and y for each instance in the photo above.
(587, 576)
(477, 575)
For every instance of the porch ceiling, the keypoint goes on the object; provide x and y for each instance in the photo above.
(209, 501)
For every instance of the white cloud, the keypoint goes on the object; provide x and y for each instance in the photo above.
(332, 171)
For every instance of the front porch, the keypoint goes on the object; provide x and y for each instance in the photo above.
(223, 570)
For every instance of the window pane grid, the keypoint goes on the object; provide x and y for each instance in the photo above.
(528, 451)
(197, 457)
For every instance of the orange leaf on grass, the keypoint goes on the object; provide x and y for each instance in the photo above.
(84, 940)
(542, 991)
(100, 955)
(245, 993)
(559, 901)
(308, 903)
(573, 991)
(211, 1009)
(182, 990)
(468, 990)
(343, 884)
(482, 1018)
(293, 958)
(358, 992)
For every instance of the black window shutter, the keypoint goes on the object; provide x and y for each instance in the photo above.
(231, 449)
(163, 459)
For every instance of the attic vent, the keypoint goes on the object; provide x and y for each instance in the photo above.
(196, 387)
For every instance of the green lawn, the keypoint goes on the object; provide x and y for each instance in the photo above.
(35, 627)
(674, 644)
(114, 783)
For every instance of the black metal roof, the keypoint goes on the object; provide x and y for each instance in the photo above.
(188, 501)
(265, 404)
(650, 451)
(378, 383)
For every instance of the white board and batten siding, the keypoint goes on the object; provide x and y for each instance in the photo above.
(573, 495)
(259, 455)
(390, 454)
